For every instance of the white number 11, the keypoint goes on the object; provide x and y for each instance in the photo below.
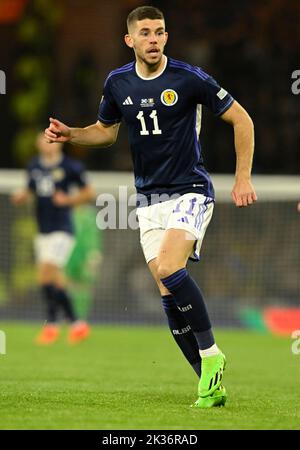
(153, 115)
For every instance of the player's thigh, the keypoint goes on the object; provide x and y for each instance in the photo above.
(54, 248)
(52, 252)
(191, 213)
(61, 247)
(174, 251)
(151, 236)
(151, 232)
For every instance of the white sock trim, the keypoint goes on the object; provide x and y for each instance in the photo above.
(211, 351)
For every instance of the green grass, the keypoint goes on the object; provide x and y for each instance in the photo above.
(135, 378)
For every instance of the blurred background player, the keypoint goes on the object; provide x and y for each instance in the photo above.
(84, 264)
(51, 174)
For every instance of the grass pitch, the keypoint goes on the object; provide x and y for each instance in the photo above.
(136, 378)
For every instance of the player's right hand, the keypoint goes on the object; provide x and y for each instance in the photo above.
(57, 132)
(19, 197)
(298, 207)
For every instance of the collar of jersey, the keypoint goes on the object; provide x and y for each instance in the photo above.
(155, 76)
(49, 166)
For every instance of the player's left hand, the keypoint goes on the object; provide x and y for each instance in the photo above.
(62, 199)
(243, 193)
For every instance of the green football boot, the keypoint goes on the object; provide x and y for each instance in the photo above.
(212, 368)
(218, 398)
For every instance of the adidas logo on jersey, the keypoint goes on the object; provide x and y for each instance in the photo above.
(128, 101)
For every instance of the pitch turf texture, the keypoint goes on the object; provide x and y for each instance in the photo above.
(136, 378)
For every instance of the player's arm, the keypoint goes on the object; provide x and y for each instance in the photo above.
(84, 195)
(243, 192)
(21, 197)
(95, 135)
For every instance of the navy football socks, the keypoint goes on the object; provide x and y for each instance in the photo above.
(182, 333)
(190, 303)
(65, 303)
(51, 306)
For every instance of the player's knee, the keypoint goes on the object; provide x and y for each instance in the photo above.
(45, 279)
(47, 274)
(165, 269)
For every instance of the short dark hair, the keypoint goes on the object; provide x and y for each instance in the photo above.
(144, 12)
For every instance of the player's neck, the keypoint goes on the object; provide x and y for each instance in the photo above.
(51, 160)
(146, 71)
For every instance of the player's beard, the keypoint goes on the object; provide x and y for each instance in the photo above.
(150, 63)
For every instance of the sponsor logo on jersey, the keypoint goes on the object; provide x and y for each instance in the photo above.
(169, 97)
(222, 93)
(58, 174)
(147, 102)
(128, 101)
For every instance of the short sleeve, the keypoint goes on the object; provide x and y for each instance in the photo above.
(108, 110)
(210, 94)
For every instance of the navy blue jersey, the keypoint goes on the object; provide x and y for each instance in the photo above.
(44, 181)
(163, 115)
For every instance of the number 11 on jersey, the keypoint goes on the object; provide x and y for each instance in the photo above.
(153, 116)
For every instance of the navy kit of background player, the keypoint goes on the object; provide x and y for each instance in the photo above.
(50, 176)
(160, 100)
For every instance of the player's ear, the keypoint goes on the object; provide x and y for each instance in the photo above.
(128, 40)
(166, 37)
